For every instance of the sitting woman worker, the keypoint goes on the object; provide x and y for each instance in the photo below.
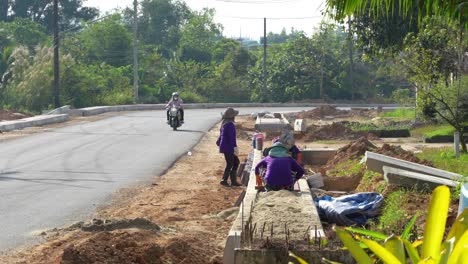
(281, 170)
(294, 151)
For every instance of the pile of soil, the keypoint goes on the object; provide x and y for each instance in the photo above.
(107, 247)
(354, 150)
(399, 153)
(331, 111)
(337, 130)
(6, 115)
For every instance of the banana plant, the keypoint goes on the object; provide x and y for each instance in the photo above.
(368, 247)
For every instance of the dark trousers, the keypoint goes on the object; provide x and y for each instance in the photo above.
(232, 163)
(181, 114)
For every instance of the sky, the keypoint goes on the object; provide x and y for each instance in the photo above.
(245, 17)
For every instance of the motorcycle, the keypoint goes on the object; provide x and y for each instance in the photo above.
(174, 118)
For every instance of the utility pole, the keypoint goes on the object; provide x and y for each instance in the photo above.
(3, 10)
(351, 62)
(135, 51)
(56, 57)
(264, 59)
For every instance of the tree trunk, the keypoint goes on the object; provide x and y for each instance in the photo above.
(462, 140)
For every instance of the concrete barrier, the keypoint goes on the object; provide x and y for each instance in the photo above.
(95, 110)
(416, 180)
(272, 124)
(375, 162)
(317, 156)
(32, 121)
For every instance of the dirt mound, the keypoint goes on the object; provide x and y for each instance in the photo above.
(6, 115)
(97, 225)
(354, 150)
(331, 111)
(323, 111)
(400, 153)
(337, 130)
(107, 247)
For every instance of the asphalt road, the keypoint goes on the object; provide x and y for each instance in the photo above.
(59, 177)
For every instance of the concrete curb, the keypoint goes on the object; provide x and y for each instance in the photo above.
(62, 114)
(33, 121)
(96, 110)
(233, 240)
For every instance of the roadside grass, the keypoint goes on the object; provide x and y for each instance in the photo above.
(371, 126)
(444, 158)
(400, 114)
(430, 131)
(348, 168)
(393, 213)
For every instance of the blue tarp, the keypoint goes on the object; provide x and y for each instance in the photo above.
(349, 209)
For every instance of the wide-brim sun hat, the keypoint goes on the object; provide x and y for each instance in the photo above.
(229, 113)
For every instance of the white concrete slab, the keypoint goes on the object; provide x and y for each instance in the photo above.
(375, 162)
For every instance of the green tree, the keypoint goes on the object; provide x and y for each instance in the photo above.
(451, 10)
(30, 87)
(71, 14)
(22, 31)
(106, 41)
(199, 35)
(160, 23)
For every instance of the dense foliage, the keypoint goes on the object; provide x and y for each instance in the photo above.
(184, 50)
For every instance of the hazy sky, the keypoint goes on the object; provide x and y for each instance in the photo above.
(246, 16)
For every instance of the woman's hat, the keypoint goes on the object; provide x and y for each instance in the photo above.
(229, 113)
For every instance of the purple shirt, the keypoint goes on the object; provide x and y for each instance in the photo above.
(279, 170)
(227, 138)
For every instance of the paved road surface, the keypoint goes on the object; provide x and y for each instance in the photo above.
(58, 177)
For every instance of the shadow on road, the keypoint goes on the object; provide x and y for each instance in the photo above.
(191, 131)
(54, 181)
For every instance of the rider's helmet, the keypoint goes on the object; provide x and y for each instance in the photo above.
(175, 96)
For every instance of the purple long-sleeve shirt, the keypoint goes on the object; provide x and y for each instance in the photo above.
(279, 170)
(227, 136)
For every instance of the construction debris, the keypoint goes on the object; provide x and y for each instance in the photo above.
(415, 180)
(376, 162)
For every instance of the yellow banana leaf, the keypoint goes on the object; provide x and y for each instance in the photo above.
(435, 223)
(396, 247)
(412, 251)
(299, 259)
(459, 227)
(356, 251)
(385, 255)
(459, 250)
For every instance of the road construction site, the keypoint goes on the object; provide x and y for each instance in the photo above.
(185, 216)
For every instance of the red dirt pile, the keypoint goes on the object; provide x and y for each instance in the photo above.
(337, 130)
(6, 115)
(400, 153)
(107, 247)
(354, 150)
(327, 110)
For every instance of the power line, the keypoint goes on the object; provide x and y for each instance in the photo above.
(258, 1)
(273, 18)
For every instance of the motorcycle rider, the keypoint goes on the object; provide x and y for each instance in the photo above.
(177, 102)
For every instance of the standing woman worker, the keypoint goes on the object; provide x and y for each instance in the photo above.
(228, 146)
